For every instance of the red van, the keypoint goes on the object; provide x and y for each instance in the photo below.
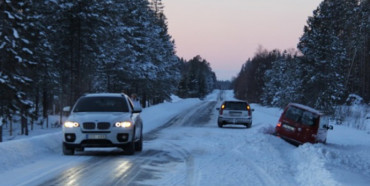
(300, 124)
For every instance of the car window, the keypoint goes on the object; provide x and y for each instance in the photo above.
(301, 116)
(101, 104)
(130, 103)
(293, 114)
(308, 118)
(324, 120)
(235, 106)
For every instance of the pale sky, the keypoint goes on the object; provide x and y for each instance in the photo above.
(228, 32)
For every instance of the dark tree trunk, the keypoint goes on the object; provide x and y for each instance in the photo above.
(45, 103)
(143, 101)
(46, 107)
(11, 127)
(1, 133)
(32, 120)
(24, 123)
(36, 113)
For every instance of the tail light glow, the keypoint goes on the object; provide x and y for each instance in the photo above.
(279, 124)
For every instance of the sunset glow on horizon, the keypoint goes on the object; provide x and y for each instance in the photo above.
(228, 32)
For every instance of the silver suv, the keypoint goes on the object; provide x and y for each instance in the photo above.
(103, 120)
(235, 112)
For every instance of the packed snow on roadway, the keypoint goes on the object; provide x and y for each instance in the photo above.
(232, 155)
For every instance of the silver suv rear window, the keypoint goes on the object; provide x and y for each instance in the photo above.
(235, 106)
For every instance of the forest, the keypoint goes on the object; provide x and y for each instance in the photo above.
(197, 79)
(332, 61)
(52, 52)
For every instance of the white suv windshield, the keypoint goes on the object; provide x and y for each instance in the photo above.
(101, 104)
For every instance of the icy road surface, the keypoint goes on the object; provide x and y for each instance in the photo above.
(189, 149)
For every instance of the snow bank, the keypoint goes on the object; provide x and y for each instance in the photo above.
(158, 115)
(311, 167)
(344, 135)
(25, 151)
(356, 116)
(175, 98)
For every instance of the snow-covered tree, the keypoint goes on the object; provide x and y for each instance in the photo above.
(283, 82)
(335, 61)
(326, 58)
(145, 61)
(358, 77)
(197, 79)
(16, 57)
(250, 81)
(63, 49)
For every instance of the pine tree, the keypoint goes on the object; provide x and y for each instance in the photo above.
(197, 79)
(283, 82)
(15, 57)
(83, 46)
(359, 76)
(326, 57)
(250, 81)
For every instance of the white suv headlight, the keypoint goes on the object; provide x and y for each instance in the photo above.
(71, 124)
(123, 124)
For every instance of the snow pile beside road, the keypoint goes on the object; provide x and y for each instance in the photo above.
(345, 135)
(37, 129)
(157, 115)
(175, 98)
(311, 166)
(25, 151)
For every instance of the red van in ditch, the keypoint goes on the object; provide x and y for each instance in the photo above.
(300, 124)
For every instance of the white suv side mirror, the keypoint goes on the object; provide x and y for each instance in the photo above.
(67, 109)
(328, 127)
(137, 110)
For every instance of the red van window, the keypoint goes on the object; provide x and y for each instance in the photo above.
(308, 118)
(293, 114)
(301, 116)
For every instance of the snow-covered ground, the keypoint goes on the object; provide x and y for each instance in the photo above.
(213, 156)
(37, 129)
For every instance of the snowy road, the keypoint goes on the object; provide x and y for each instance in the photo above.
(189, 149)
(113, 168)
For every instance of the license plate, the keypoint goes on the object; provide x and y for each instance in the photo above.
(95, 136)
(235, 113)
(289, 127)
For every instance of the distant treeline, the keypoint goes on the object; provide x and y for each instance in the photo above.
(333, 61)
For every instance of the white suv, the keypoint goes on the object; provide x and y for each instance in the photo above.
(235, 112)
(103, 120)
